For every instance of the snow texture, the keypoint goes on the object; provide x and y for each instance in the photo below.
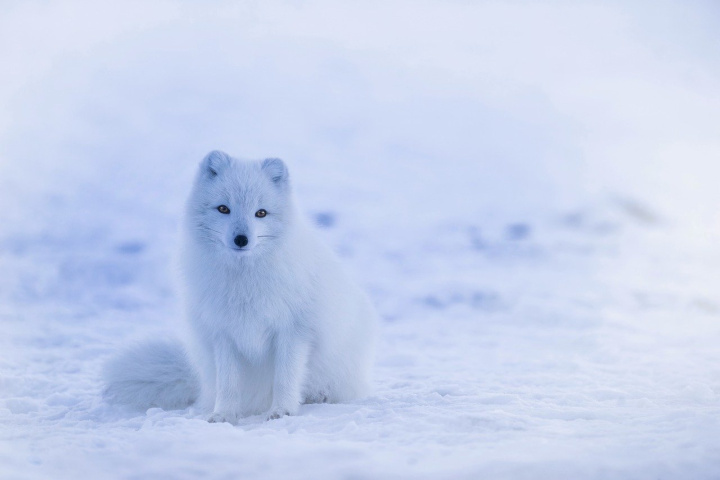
(527, 190)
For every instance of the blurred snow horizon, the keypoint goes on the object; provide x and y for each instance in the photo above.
(528, 106)
(542, 176)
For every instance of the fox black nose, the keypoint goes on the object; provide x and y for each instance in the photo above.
(241, 241)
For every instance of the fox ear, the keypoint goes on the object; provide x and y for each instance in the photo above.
(214, 162)
(276, 170)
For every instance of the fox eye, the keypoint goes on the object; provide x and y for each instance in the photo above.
(260, 213)
(223, 209)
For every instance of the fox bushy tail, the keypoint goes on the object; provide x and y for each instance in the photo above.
(152, 374)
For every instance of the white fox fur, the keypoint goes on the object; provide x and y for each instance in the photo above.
(273, 323)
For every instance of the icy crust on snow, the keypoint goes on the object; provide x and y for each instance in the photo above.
(526, 190)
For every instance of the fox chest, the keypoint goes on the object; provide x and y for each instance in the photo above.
(249, 312)
(251, 324)
(253, 330)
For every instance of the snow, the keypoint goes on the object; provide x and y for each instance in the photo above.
(527, 190)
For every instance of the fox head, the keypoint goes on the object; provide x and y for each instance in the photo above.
(241, 207)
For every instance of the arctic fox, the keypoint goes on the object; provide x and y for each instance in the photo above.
(274, 320)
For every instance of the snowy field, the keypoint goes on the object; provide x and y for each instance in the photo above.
(527, 190)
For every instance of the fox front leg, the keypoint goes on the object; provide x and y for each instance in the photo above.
(227, 384)
(291, 356)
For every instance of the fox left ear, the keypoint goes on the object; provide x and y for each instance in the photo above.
(276, 170)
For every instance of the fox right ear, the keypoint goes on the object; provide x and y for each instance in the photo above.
(214, 162)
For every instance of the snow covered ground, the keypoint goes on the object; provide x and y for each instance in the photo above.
(528, 190)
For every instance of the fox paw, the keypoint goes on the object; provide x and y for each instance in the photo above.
(276, 413)
(318, 397)
(222, 418)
